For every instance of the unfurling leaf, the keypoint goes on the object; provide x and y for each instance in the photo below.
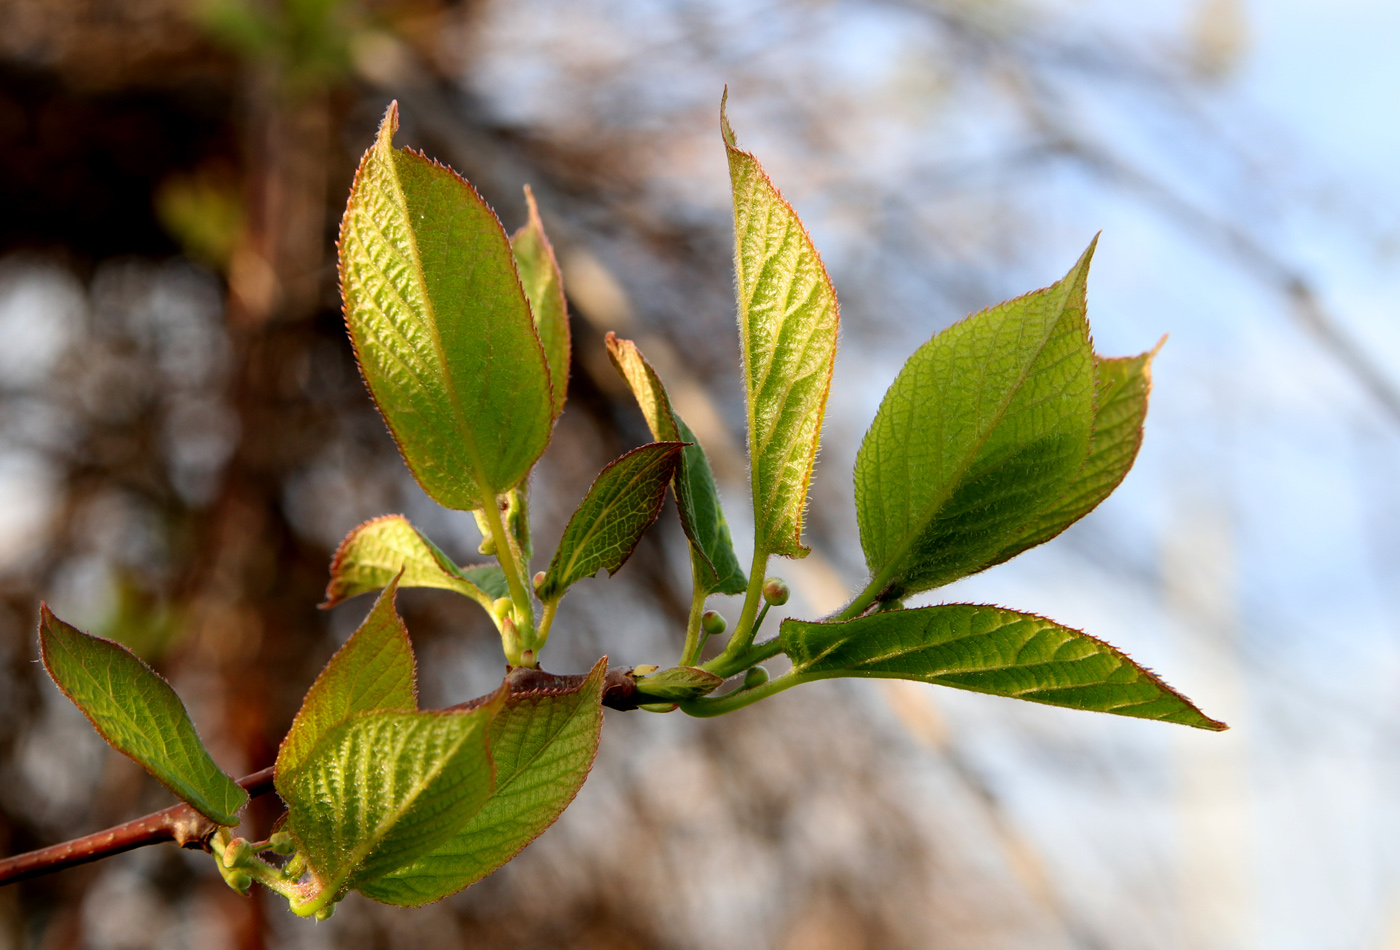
(679, 683)
(988, 650)
(987, 424)
(384, 788)
(788, 318)
(373, 670)
(543, 744)
(539, 274)
(1122, 385)
(138, 714)
(622, 503)
(374, 553)
(697, 499)
(441, 326)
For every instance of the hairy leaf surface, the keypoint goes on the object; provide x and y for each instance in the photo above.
(543, 745)
(373, 670)
(384, 788)
(544, 286)
(1122, 385)
(988, 650)
(441, 326)
(697, 499)
(622, 503)
(374, 553)
(788, 319)
(985, 427)
(139, 715)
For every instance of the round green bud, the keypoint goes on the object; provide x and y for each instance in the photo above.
(756, 676)
(282, 843)
(236, 852)
(713, 622)
(238, 880)
(325, 912)
(500, 607)
(538, 579)
(775, 591)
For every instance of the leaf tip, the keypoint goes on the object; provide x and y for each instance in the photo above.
(388, 126)
(725, 129)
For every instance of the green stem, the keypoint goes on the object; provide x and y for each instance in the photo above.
(505, 553)
(707, 706)
(694, 643)
(744, 631)
(863, 600)
(546, 621)
(727, 665)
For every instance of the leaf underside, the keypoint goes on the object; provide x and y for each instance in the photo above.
(543, 745)
(138, 714)
(985, 427)
(441, 327)
(622, 503)
(697, 498)
(989, 650)
(544, 287)
(373, 554)
(373, 670)
(788, 320)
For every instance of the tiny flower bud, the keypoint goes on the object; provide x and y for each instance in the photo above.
(235, 852)
(500, 607)
(238, 880)
(538, 579)
(713, 622)
(282, 843)
(775, 591)
(325, 912)
(756, 676)
(645, 669)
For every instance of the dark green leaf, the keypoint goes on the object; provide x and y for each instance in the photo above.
(374, 553)
(985, 427)
(988, 650)
(679, 683)
(384, 788)
(788, 318)
(539, 273)
(441, 326)
(697, 499)
(1122, 385)
(138, 714)
(373, 670)
(622, 503)
(543, 744)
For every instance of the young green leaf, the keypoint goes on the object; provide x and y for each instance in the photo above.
(788, 318)
(543, 744)
(697, 499)
(988, 650)
(539, 273)
(375, 552)
(384, 788)
(373, 670)
(441, 326)
(679, 683)
(1123, 385)
(138, 714)
(987, 424)
(622, 503)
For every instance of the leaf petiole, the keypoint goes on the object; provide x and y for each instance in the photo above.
(694, 641)
(506, 554)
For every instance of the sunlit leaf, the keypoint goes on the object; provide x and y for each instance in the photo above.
(384, 788)
(539, 274)
(543, 744)
(988, 650)
(1122, 386)
(374, 553)
(373, 670)
(622, 503)
(788, 318)
(985, 427)
(138, 714)
(697, 499)
(441, 326)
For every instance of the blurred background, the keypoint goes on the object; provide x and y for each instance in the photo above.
(184, 439)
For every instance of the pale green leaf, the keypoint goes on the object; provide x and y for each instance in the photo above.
(544, 286)
(374, 553)
(384, 788)
(373, 670)
(543, 744)
(679, 683)
(988, 650)
(697, 499)
(622, 503)
(441, 326)
(1122, 385)
(138, 714)
(788, 318)
(986, 426)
